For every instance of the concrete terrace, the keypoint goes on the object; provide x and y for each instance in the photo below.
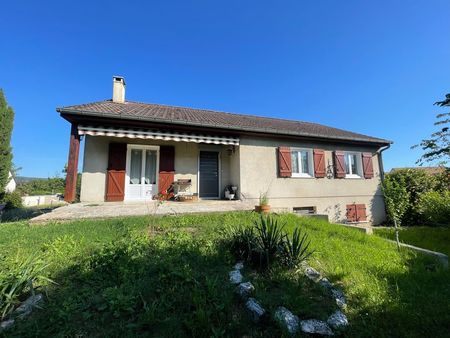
(123, 209)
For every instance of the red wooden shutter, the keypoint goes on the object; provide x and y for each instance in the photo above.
(284, 162)
(166, 168)
(115, 179)
(361, 212)
(367, 165)
(351, 213)
(339, 164)
(319, 163)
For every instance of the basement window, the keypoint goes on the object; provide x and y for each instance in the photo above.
(304, 210)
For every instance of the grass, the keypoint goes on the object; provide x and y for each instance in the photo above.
(168, 276)
(25, 213)
(431, 238)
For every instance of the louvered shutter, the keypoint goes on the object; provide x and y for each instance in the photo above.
(115, 178)
(361, 212)
(367, 165)
(166, 168)
(339, 164)
(351, 213)
(284, 162)
(319, 163)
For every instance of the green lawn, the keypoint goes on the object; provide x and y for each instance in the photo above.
(431, 238)
(168, 276)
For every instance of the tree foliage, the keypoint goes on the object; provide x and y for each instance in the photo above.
(396, 199)
(437, 147)
(49, 186)
(6, 126)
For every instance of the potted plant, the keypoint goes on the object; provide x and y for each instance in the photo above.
(263, 206)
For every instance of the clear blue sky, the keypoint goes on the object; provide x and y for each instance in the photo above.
(371, 67)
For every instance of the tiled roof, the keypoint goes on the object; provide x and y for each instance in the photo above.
(213, 119)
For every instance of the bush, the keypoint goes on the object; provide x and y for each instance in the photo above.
(267, 242)
(12, 200)
(435, 207)
(417, 182)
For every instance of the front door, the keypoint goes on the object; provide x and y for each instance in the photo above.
(142, 168)
(209, 174)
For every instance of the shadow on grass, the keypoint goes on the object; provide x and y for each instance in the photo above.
(23, 214)
(170, 285)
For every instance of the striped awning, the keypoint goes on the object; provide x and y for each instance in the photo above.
(156, 135)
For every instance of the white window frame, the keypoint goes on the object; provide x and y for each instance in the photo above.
(359, 168)
(310, 174)
(141, 147)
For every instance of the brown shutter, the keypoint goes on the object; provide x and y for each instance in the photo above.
(339, 164)
(319, 163)
(166, 168)
(284, 162)
(351, 213)
(361, 212)
(115, 179)
(367, 165)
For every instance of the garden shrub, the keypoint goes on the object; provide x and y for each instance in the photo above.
(417, 182)
(435, 207)
(12, 200)
(266, 242)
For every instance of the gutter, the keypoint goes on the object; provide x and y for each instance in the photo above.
(380, 160)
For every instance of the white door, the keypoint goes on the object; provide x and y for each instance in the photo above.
(142, 169)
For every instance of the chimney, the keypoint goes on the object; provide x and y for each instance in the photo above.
(118, 89)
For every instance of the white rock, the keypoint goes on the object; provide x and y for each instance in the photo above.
(325, 283)
(339, 296)
(316, 326)
(338, 320)
(29, 304)
(245, 289)
(235, 277)
(312, 273)
(256, 310)
(6, 324)
(239, 266)
(287, 319)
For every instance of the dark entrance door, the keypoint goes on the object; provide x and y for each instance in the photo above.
(209, 174)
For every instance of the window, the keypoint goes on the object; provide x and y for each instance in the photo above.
(353, 165)
(302, 164)
(304, 210)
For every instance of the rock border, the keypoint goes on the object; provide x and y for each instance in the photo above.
(22, 311)
(285, 318)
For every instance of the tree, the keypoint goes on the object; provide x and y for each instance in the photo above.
(6, 126)
(437, 147)
(396, 199)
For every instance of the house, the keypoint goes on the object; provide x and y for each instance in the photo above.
(11, 185)
(134, 151)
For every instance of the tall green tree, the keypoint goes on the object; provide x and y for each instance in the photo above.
(6, 126)
(437, 147)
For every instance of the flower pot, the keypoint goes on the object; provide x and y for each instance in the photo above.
(265, 209)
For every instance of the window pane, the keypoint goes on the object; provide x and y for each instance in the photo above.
(294, 157)
(150, 167)
(354, 169)
(305, 162)
(347, 164)
(135, 166)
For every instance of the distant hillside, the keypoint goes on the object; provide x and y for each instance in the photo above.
(24, 179)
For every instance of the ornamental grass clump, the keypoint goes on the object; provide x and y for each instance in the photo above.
(267, 242)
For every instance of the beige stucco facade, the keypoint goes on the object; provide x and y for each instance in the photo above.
(258, 172)
(252, 166)
(95, 162)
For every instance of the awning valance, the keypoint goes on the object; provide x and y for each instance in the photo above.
(156, 135)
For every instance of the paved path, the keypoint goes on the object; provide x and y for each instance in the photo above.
(122, 209)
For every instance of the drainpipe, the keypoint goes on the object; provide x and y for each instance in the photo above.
(380, 160)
